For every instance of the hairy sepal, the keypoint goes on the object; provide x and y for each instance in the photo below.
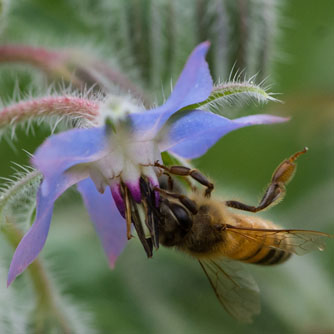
(17, 195)
(234, 93)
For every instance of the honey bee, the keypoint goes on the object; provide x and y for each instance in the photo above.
(220, 239)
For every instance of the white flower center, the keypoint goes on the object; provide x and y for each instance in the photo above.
(116, 108)
(126, 160)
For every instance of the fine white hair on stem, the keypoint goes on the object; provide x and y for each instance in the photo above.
(236, 93)
(78, 316)
(265, 22)
(4, 10)
(79, 109)
(14, 316)
(17, 194)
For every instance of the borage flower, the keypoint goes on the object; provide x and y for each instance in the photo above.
(109, 162)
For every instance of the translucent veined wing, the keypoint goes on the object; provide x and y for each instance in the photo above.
(294, 241)
(234, 287)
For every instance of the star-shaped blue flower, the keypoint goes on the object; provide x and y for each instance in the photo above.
(100, 159)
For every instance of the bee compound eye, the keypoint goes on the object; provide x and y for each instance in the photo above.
(182, 216)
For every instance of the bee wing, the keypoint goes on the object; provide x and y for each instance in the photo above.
(295, 241)
(234, 287)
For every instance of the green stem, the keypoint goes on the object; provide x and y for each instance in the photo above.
(46, 313)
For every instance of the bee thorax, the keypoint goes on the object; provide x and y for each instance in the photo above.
(204, 236)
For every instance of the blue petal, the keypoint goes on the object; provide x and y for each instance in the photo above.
(109, 224)
(193, 86)
(64, 150)
(193, 134)
(34, 240)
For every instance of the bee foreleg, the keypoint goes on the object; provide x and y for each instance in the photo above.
(276, 189)
(186, 201)
(170, 182)
(186, 171)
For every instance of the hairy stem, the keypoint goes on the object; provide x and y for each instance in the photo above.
(242, 9)
(16, 187)
(53, 63)
(122, 82)
(49, 106)
(82, 71)
(46, 310)
(36, 56)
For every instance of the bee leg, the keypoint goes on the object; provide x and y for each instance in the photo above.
(186, 171)
(170, 185)
(276, 189)
(186, 201)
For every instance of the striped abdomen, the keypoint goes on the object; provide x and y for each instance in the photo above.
(256, 246)
(266, 255)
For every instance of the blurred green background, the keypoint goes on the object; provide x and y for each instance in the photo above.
(169, 293)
